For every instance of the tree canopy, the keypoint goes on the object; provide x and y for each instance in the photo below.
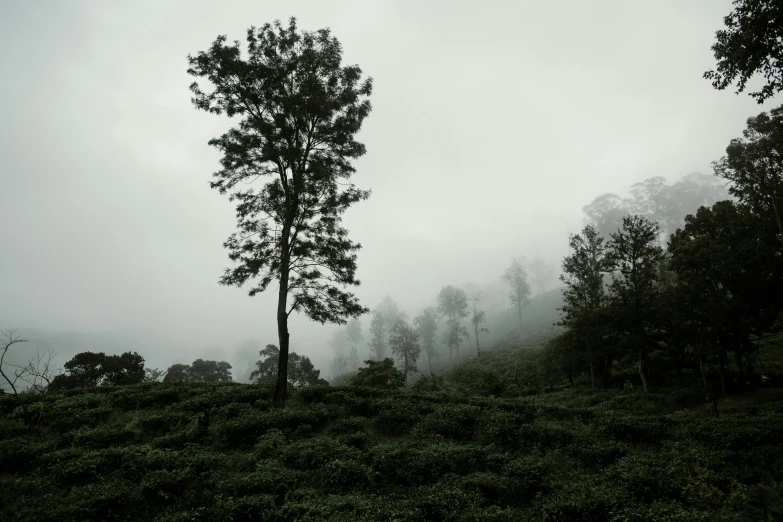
(750, 44)
(298, 112)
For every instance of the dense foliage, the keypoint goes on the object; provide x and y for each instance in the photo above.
(200, 451)
(98, 369)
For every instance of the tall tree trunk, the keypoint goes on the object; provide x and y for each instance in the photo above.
(281, 388)
(642, 369)
(723, 385)
(478, 350)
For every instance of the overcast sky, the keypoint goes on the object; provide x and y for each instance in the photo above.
(493, 124)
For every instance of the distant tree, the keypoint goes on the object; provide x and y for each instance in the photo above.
(98, 369)
(339, 366)
(477, 318)
(634, 257)
(404, 343)
(153, 375)
(177, 373)
(754, 164)
(299, 111)
(426, 327)
(750, 44)
(519, 295)
(541, 275)
(301, 372)
(379, 374)
(378, 330)
(453, 305)
(583, 294)
(210, 371)
(606, 213)
(354, 333)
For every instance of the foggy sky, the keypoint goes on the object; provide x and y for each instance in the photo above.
(493, 124)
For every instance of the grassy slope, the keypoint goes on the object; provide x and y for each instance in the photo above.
(146, 452)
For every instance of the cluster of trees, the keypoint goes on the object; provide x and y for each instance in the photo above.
(199, 371)
(701, 302)
(457, 314)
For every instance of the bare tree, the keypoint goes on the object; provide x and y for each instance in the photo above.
(11, 373)
(38, 373)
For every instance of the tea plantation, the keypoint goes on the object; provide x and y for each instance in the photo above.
(177, 452)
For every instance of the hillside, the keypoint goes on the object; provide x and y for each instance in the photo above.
(538, 319)
(220, 452)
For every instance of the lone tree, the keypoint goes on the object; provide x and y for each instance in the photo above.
(750, 44)
(404, 342)
(298, 112)
(453, 305)
(519, 295)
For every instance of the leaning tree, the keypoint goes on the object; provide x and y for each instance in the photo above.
(298, 111)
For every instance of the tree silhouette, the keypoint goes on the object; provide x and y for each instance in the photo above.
(298, 112)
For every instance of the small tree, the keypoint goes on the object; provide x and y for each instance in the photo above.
(477, 318)
(302, 372)
(299, 111)
(404, 344)
(426, 328)
(516, 278)
(379, 374)
(153, 375)
(453, 304)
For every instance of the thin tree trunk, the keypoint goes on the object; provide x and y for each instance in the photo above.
(723, 387)
(281, 388)
(642, 369)
(478, 350)
(701, 366)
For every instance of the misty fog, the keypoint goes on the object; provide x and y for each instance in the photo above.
(493, 125)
